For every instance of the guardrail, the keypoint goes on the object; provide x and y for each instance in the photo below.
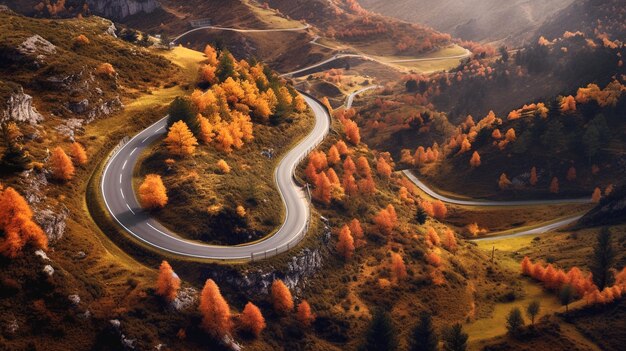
(202, 22)
(296, 239)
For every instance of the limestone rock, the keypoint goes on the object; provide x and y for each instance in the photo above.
(48, 270)
(42, 254)
(119, 9)
(19, 108)
(186, 298)
(36, 45)
(74, 299)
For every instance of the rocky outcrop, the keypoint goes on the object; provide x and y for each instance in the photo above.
(120, 9)
(185, 299)
(36, 45)
(52, 219)
(19, 108)
(257, 282)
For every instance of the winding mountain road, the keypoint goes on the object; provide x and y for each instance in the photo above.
(119, 197)
(353, 94)
(243, 30)
(540, 229)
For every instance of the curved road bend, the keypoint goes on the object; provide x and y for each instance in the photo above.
(353, 94)
(450, 200)
(120, 200)
(242, 30)
(542, 228)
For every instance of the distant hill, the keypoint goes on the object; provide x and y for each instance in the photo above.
(513, 21)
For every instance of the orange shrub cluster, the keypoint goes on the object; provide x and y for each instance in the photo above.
(398, 268)
(304, 314)
(609, 96)
(16, 222)
(78, 153)
(473, 229)
(530, 110)
(152, 192)
(609, 293)
(555, 279)
(386, 220)
(251, 319)
(432, 237)
(61, 165)
(105, 69)
(435, 209)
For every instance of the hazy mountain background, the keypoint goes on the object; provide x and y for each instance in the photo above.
(512, 21)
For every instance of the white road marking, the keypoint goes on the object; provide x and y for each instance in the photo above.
(131, 210)
(124, 165)
(160, 128)
(122, 192)
(146, 138)
(282, 240)
(120, 179)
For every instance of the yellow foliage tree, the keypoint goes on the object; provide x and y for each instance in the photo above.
(180, 140)
(152, 192)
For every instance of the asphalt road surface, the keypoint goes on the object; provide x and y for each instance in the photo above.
(120, 200)
(540, 229)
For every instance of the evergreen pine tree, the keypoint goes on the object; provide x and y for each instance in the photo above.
(181, 109)
(381, 335)
(423, 336)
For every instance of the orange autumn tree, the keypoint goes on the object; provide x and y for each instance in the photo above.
(152, 192)
(383, 168)
(351, 129)
(363, 167)
(568, 104)
(299, 104)
(168, 282)
(357, 231)
(386, 219)
(180, 140)
(510, 135)
(475, 160)
(17, 224)
(449, 240)
(439, 209)
(223, 166)
(251, 320)
(554, 185)
(304, 314)
(323, 189)
(78, 154)
(207, 133)
(533, 176)
(342, 148)
(596, 196)
(504, 182)
(211, 55)
(61, 165)
(398, 267)
(281, 297)
(216, 318)
(345, 244)
(333, 155)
